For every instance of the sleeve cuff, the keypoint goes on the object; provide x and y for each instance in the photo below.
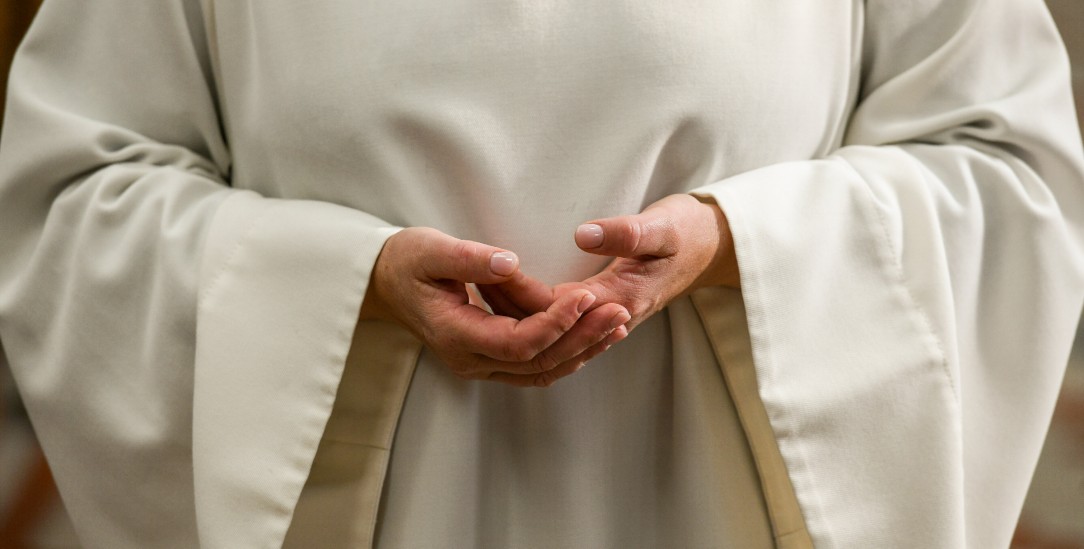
(282, 282)
(839, 347)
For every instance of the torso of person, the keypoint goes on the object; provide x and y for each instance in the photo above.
(510, 123)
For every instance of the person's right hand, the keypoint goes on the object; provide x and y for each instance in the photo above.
(419, 281)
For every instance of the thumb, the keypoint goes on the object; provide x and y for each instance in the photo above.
(650, 233)
(468, 261)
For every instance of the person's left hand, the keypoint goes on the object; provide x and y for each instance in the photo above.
(673, 247)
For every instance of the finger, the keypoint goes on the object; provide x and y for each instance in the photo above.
(495, 297)
(651, 233)
(522, 293)
(474, 297)
(590, 330)
(567, 368)
(506, 339)
(468, 261)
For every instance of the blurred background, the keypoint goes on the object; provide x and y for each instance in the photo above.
(32, 515)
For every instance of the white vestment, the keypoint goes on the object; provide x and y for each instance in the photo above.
(193, 194)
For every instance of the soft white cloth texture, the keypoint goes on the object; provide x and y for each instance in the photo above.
(192, 196)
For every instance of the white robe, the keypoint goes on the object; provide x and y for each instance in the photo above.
(192, 196)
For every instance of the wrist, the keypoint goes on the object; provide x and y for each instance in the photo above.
(374, 306)
(723, 268)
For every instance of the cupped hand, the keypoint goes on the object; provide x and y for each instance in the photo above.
(673, 247)
(419, 281)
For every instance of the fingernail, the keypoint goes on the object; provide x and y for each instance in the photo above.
(585, 302)
(615, 336)
(502, 263)
(589, 236)
(619, 319)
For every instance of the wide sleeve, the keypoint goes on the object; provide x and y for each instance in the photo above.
(178, 342)
(912, 297)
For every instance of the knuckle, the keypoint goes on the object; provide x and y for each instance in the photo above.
(461, 249)
(597, 349)
(463, 253)
(629, 235)
(603, 334)
(566, 319)
(666, 230)
(497, 378)
(544, 363)
(461, 366)
(660, 237)
(425, 232)
(545, 379)
(415, 239)
(514, 350)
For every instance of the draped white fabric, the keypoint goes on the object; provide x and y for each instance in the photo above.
(192, 196)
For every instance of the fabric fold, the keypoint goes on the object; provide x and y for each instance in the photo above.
(888, 285)
(282, 291)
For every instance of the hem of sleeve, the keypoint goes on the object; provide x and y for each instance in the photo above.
(282, 283)
(833, 331)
